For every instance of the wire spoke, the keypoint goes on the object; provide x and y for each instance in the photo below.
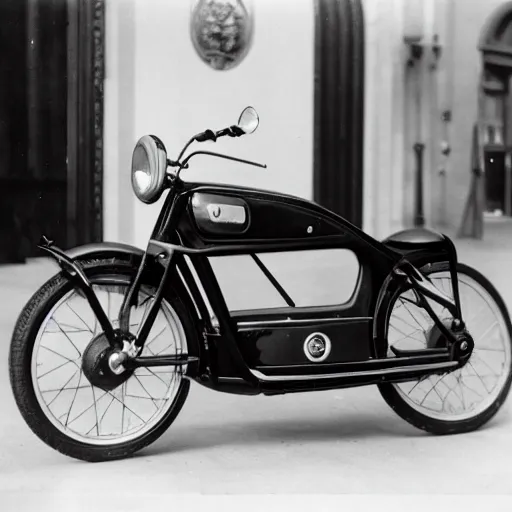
(414, 318)
(62, 388)
(58, 354)
(79, 317)
(408, 335)
(461, 391)
(157, 375)
(74, 398)
(87, 409)
(165, 348)
(108, 406)
(480, 378)
(476, 356)
(417, 383)
(147, 392)
(472, 389)
(123, 394)
(487, 330)
(480, 311)
(403, 321)
(486, 349)
(431, 389)
(69, 339)
(99, 421)
(159, 334)
(95, 410)
(437, 393)
(69, 327)
(146, 398)
(54, 369)
(451, 389)
(122, 403)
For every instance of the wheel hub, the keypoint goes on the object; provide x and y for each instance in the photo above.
(96, 367)
(461, 349)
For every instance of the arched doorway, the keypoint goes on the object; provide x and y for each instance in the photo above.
(495, 110)
(339, 99)
(51, 124)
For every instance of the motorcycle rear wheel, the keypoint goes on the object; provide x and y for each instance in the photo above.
(83, 432)
(465, 399)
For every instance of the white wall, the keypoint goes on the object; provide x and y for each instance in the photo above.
(119, 129)
(156, 83)
(384, 190)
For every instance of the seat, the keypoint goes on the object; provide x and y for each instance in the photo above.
(414, 238)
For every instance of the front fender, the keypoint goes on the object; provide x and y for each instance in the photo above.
(105, 250)
(134, 255)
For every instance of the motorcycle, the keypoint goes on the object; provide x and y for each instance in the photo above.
(102, 355)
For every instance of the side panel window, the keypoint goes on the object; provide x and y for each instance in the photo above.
(310, 278)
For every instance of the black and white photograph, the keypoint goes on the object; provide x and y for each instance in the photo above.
(255, 255)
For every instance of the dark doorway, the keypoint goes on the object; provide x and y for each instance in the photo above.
(495, 109)
(495, 181)
(50, 134)
(339, 99)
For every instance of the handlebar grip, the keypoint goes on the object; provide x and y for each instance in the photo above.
(206, 135)
(223, 132)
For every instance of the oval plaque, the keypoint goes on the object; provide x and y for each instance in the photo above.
(221, 31)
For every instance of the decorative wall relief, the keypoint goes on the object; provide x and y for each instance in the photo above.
(222, 31)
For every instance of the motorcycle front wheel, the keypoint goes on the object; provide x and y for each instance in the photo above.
(53, 334)
(465, 399)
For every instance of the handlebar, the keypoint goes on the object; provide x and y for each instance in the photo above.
(247, 123)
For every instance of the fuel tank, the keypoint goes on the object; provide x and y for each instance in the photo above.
(243, 215)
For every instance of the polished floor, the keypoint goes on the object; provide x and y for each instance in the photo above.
(329, 442)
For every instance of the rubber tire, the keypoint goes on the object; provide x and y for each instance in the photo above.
(21, 349)
(436, 426)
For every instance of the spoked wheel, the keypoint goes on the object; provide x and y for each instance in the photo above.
(464, 399)
(65, 399)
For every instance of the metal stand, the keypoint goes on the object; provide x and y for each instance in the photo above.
(419, 218)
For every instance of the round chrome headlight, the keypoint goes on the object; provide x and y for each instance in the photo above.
(149, 164)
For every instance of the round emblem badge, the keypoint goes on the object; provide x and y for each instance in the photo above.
(317, 347)
(221, 31)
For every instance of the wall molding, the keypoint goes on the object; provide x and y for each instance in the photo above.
(86, 74)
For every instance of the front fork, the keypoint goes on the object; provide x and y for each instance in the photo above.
(125, 346)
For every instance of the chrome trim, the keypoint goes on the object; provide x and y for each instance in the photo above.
(299, 321)
(291, 378)
(226, 213)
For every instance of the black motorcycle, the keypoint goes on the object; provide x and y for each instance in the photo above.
(103, 354)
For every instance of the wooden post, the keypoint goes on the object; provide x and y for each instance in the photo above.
(473, 216)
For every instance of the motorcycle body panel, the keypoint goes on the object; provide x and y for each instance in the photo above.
(266, 350)
(203, 220)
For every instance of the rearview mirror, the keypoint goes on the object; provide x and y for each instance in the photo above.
(249, 120)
